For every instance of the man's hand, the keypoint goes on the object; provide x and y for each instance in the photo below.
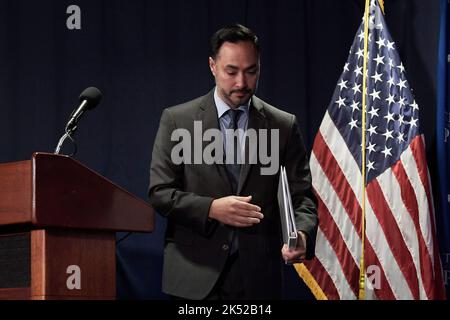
(298, 254)
(235, 211)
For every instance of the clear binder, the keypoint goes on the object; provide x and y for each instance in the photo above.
(286, 211)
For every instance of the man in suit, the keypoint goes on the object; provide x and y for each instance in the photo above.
(223, 237)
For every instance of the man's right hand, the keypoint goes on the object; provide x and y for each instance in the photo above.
(235, 211)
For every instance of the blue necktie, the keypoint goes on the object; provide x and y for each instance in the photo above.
(234, 168)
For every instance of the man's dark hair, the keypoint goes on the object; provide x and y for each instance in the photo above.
(233, 34)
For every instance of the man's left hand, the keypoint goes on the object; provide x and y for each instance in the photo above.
(298, 254)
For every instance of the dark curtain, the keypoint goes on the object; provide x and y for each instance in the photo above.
(147, 55)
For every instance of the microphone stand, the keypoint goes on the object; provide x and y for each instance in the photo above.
(68, 134)
(89, 98)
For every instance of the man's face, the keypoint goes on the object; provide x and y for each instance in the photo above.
(236, 69)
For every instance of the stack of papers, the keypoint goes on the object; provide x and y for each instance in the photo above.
(286, 211)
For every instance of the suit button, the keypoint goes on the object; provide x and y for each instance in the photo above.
(225, 247)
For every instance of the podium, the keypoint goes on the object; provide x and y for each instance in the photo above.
(58, 221)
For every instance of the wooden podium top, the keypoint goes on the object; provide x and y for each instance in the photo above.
(58, 191)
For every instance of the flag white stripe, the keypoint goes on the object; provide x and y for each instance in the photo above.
(393, 196)
(330, 199)
(422, 136)
(344, 158)
(380, 246)
(369, 290)
(328, 259)
(409, 163)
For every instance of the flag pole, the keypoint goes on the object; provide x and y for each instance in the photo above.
(362, 279)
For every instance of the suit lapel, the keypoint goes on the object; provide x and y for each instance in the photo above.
(256, 120)
(209, 118)
(208, 112)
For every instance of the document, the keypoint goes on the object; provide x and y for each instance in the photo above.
(286, 211)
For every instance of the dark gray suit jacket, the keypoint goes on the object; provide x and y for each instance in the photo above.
(196, 247)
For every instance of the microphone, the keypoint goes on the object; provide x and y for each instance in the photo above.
(89, 99)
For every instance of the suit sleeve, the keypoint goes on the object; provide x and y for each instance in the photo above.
(166, 183)
(299, 176)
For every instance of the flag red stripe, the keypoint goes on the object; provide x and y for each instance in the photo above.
(418, 151)
(334, 237)
(370, 258)
(340, 184)
(322, 278)
(410, 202)
(393, 236)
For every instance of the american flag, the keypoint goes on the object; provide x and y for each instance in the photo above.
(401, 259)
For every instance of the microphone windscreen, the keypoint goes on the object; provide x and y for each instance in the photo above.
(92, 95)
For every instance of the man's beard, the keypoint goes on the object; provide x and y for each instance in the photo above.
(248, 94)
